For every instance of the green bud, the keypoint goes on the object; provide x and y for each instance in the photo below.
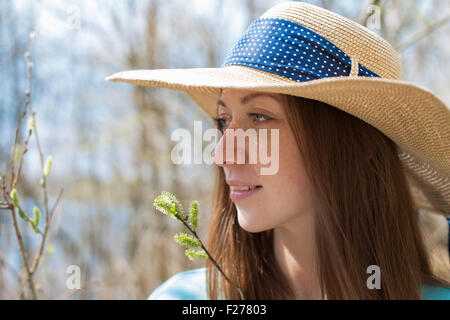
(168, 204)
(31, 123)
(23, 215)
(50, 249)
(36, 215)
(187, 240)
(193, 218)
(195, 254)
(17, 153)
(33, 226)
(14, 198)
(47, 166)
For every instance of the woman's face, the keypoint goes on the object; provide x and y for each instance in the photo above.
(280, 197)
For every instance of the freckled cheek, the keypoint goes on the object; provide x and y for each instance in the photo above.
(291, 177)
(290, 161)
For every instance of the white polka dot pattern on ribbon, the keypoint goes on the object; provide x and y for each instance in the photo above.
(290, 50)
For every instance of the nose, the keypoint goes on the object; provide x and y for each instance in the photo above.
(227, 149)
(220, 153)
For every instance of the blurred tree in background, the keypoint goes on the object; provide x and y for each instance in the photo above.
(111, 142)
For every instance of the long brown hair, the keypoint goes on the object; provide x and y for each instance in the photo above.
(364, 216)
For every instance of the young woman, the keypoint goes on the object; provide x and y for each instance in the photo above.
(360, 164)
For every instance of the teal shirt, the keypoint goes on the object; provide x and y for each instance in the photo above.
(191, 285)
(187, 285)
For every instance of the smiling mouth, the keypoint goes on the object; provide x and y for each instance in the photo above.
(243, 188)
(238, 193)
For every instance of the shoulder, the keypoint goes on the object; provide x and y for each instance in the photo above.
(433, 292)
(186, 285)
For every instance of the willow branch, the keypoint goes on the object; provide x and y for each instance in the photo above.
(212, 259)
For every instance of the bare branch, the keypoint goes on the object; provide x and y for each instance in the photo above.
(19, 170)
(423, 34)
(11, 203)
(14, 174)
(44, 179)
(27, 104)
(23, 252)
(38, 255)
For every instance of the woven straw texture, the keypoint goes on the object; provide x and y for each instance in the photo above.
(358, 42)
(411, 116)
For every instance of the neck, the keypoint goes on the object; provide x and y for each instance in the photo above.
(294, 253)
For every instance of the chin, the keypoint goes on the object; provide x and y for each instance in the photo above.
(250, 223)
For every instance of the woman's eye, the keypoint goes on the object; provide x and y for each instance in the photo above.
(224, 123)
(259, 117)
(221, 123)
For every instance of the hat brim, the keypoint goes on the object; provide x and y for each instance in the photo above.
(413, 117)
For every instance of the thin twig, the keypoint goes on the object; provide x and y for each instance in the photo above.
(212, 259)
(423, 33)
(11, 205)
(27, 104)
(38, 255)
(3, 187)
(19, 170)
(14, 175)
(44, 180)
(24, 255)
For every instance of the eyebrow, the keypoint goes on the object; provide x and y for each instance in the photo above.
(248, 98)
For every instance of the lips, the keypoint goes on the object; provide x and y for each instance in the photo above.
(240, 190)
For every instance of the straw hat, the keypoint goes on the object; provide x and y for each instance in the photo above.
(303, 50)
